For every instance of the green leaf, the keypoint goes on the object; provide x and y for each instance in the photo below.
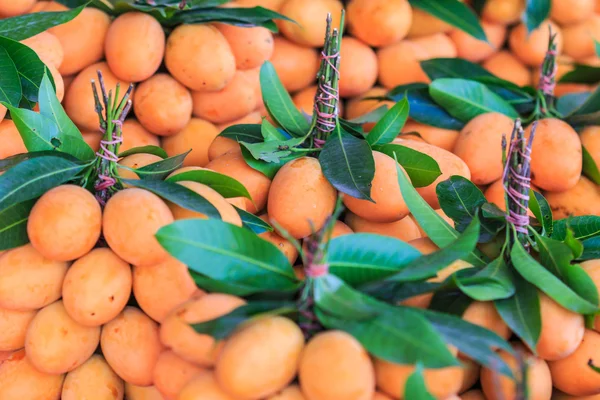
(537, 11)
(438, 230)
(10, 83)
(371, 116)
(574, 244)
(269, 169)
(415, 388)
(492, 282)
(437, 68)
(29, 66)
(177, 194)
(584, 227)
(472, 340)
(242, 258)
(270, 133)
(161, 169)
(390, 125)
(39, 133)
(465, 99)
(222, 327)
(348, 164)
(155, 150)
(569, 103)
(454, 13)
(452, 302)
(591, 249)
(9, 162)
(13, 225)
(34, 177)
(280, 104)
(521, 312)
(588, 112)
(273, 151)
(581, 73)
(460, 200)
(421, 168)
(395, 334)
(243, 17)
(216, 286)
(223, 184)
(429, 265)
(252, 222)
(249, 133)
(547, 282)
(28, 25)
(590, 169)
(541, 210)
(361, 258)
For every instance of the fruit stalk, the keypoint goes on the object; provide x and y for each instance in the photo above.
(517, 179)
(547, 82)
(111, 114)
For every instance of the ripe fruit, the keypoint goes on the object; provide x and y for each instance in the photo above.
(557, 343)
(235, 100)
(47, 47)
(405, 229)
(449, 164)
(573, 374)
(131, 346)
(13, 328)
(296, 66)
(261, 358)
(93, 379)
(284, 245)
(503, 11)
(135, 45)
(590, 138)
(399, 64)
(82, 40)
(12, 8)
(531, 48)
(424, 24)
(222, 145)
(158, 288)
(199, 57)
(335, 366)
(65, 223)
(392, 19)
(582, 199)
(388, 206)
(177, 334)
(228, 213)
(475, 50)
(134, 135)
(56, 344)
(28, 280)
(485, 315)
(553, 140)
(79, 99)
(424, 245)
(11, 139)
(505, 65)
(474, 394)
(442, 138)
(162, 105)
(92, 139)
(93, 296)
(204, 386)
(197, 136)
(579, 38)
(133, 392)
(567, 12)
(358, 71)
(499, 387)
(19, 380)
(135, 161)
(172, 373)
(291, 392)
(310, 20)
(301, 198)
(471, 373)
(232, 164)
(251, 47)
(359, 106)
(131, 219)
(479, 144)
(304, 100)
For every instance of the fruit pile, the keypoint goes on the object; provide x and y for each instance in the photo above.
(195, 206)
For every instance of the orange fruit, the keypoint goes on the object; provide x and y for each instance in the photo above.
(251, 47)
(531, 48)
(484, 314)
(358, 71)
(582, 199)
(135, 135)
(503, 11)
(284, 245)
(391, 17)
(291, 392)
(296, 66)
(197, 136)
(134, 392)
(440, 137)
(135, 161)
(424, 24)
(360, 106)
(92, 139)
(399, 64)
(19, 380)
(568, 12)
(93, 379)
(172, 373)
(12, 143)
(310, 20)
(505, 65)
(200, 57)
(475, 50)
(47, 47)
(474, 394)
(405, 229)
(13, 328)
(204, 386)
(12, 8)
(471, 373)
(252, 118)
(135, 46)
(424, 245)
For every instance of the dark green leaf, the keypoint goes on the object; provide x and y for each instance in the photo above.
(29, 66)
(155, 150)
(244, 17)
(280, 104)
(273, 151)
(492, 282)
(99, 4)
(161, 169)
(13, 225)
(362, 257)
(253, 223)
(521, 312)
(270, 133)
(569, 103)
(242, 258)
(588, 113)
(437, 68)
(390, 125)
(591, 249)
(590, 169)
(28, 25)
(249, 133)
(424, 109)
(454, 13)
(465, 99)
(438, 230)
(415, 388)
(460, 199)
(547, 282)
(10, 83)
(221, 327)
(452, 302)
(9, 162)
(336, 298)
(574, 244)
(269, 169)
(348, 164)
(584, 227)
(34, 177)
(541, 209)
(582, 73)
(217, 286)
(537, 11)
(223, 184)
(36, 130)
(372, 116)
(421, 168)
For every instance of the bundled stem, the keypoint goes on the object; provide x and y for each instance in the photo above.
(517, 179)
(327, 98)
(545, 99)
(112, 114)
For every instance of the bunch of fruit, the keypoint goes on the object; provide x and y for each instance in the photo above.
(174, 224)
